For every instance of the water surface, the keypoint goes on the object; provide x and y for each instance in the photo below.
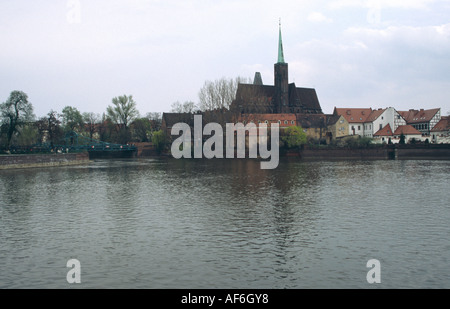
(226, 224)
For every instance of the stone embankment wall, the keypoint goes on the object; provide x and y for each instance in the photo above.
(44, 160)
(391, 152)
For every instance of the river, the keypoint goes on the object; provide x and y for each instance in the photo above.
(195, 224)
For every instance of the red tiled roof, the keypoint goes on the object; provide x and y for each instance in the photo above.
(386, 131)
(418, 116)
(442, 125)
(354, 115)
(375, 114)
(407, 130)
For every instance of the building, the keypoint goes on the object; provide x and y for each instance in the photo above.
(422, 120)
(283, 120)
(385, 135)
(441, 131)
(367, 121)
(409, 132)
(281, 98)
(356, 118)
(337, 127)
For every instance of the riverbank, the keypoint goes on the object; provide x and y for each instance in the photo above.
(42, 160)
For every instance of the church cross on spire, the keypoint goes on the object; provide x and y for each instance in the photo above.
(280, 48)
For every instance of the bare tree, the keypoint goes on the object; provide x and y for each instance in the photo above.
(220, 93)
(186, 107)
(90, 121)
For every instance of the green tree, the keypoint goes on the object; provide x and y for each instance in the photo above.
(72, 120)
(122, 113)
(293, 137)
(15, 112)
(159, 141)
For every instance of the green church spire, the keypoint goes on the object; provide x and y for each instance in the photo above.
(280, 48)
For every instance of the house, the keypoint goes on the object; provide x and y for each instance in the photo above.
(356, 118)
(409, 132)
(367, 121)
(441, 131)
(385, 135)
(380, 118)
(422, 120)
(313, 125)
(337, 127)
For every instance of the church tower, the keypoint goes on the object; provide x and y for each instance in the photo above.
(281, 81)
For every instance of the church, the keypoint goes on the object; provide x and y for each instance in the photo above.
(281, 98)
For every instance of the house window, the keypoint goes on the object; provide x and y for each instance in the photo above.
(381, 126)
(292, 122)
(279, 121)
(359, 128)
(342, 121)
(286, 122)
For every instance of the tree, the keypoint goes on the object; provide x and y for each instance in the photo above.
(15, 112)
(402, 139)
(159, 141)
(72, 120)
(49, 128)
(122, 113)
(219, 94)
(90, 121)
(141, 127)
(186, 107)
(155, 121)
(293, 137)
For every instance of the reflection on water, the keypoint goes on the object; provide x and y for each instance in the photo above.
(226, 224)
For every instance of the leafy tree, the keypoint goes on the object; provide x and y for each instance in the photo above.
(293, 137)
(27, 135)
(159, 141)
(122, 113)
(15, 112)
(72, 120)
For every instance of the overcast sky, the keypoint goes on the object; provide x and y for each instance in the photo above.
(373, 53)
